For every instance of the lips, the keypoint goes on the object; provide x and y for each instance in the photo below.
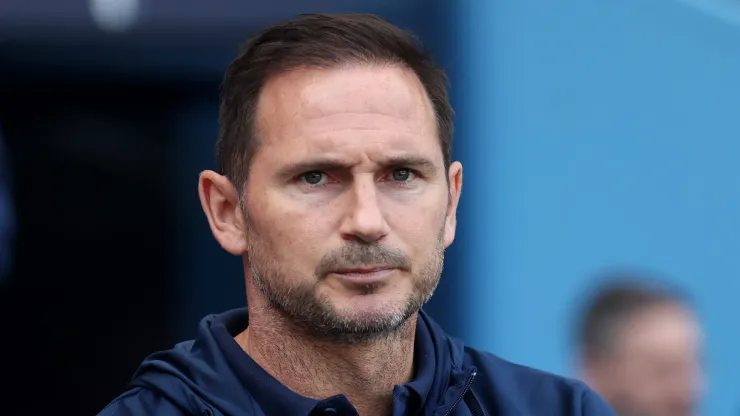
(362, 270)
(364, 275)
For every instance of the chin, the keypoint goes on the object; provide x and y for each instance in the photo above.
(355, 319)
(369, 303)
(363, 310)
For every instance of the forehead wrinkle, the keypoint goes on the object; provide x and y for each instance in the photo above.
(393, 91)
(347, 103)
(288, 108)
(346, 121)
(365, 141)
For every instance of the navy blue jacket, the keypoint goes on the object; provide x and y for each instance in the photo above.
(212, 376)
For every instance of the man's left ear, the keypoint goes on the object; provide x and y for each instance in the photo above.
(454, 180)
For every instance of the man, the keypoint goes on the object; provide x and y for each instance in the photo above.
(640, 348)
(338, 191)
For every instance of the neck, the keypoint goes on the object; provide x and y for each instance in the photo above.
(366, 373)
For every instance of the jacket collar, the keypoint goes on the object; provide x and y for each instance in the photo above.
(434, 358)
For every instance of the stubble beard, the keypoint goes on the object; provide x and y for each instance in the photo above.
(317, 317)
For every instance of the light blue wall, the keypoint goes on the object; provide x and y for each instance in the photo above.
(597, 133)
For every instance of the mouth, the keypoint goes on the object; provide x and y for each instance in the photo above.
(365, 275)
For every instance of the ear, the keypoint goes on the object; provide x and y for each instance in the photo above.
(454, 179)
(220, 202)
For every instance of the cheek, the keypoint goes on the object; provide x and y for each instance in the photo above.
(418, 226)
(295, 236)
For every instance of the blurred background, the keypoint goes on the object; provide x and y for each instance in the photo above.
(596, 136)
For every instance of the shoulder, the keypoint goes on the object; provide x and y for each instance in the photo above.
(141, 401)
(512, 387)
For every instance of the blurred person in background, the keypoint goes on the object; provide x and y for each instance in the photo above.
(338, 191)
(640, 347)
(7, 223)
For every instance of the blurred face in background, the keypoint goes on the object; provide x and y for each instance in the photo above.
(655, 369)
(348, 205)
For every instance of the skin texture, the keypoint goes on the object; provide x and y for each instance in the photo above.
(654, 368)
(346, 214)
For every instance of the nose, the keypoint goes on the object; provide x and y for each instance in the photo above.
(365, 220)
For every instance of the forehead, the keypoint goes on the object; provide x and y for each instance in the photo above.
(662, 331)
(358, 108)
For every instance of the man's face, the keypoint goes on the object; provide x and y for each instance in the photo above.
(657, 370)
(347, 205)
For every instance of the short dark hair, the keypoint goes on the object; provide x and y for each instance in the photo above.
(617, 299)
(317, 41)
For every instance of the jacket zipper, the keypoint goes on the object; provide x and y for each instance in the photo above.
(464, 392)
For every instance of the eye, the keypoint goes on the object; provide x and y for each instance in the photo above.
(314, 178)
(402, 175)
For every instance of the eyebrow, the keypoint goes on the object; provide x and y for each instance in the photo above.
(422, 164)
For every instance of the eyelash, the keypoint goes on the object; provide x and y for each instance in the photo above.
(414, 174)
